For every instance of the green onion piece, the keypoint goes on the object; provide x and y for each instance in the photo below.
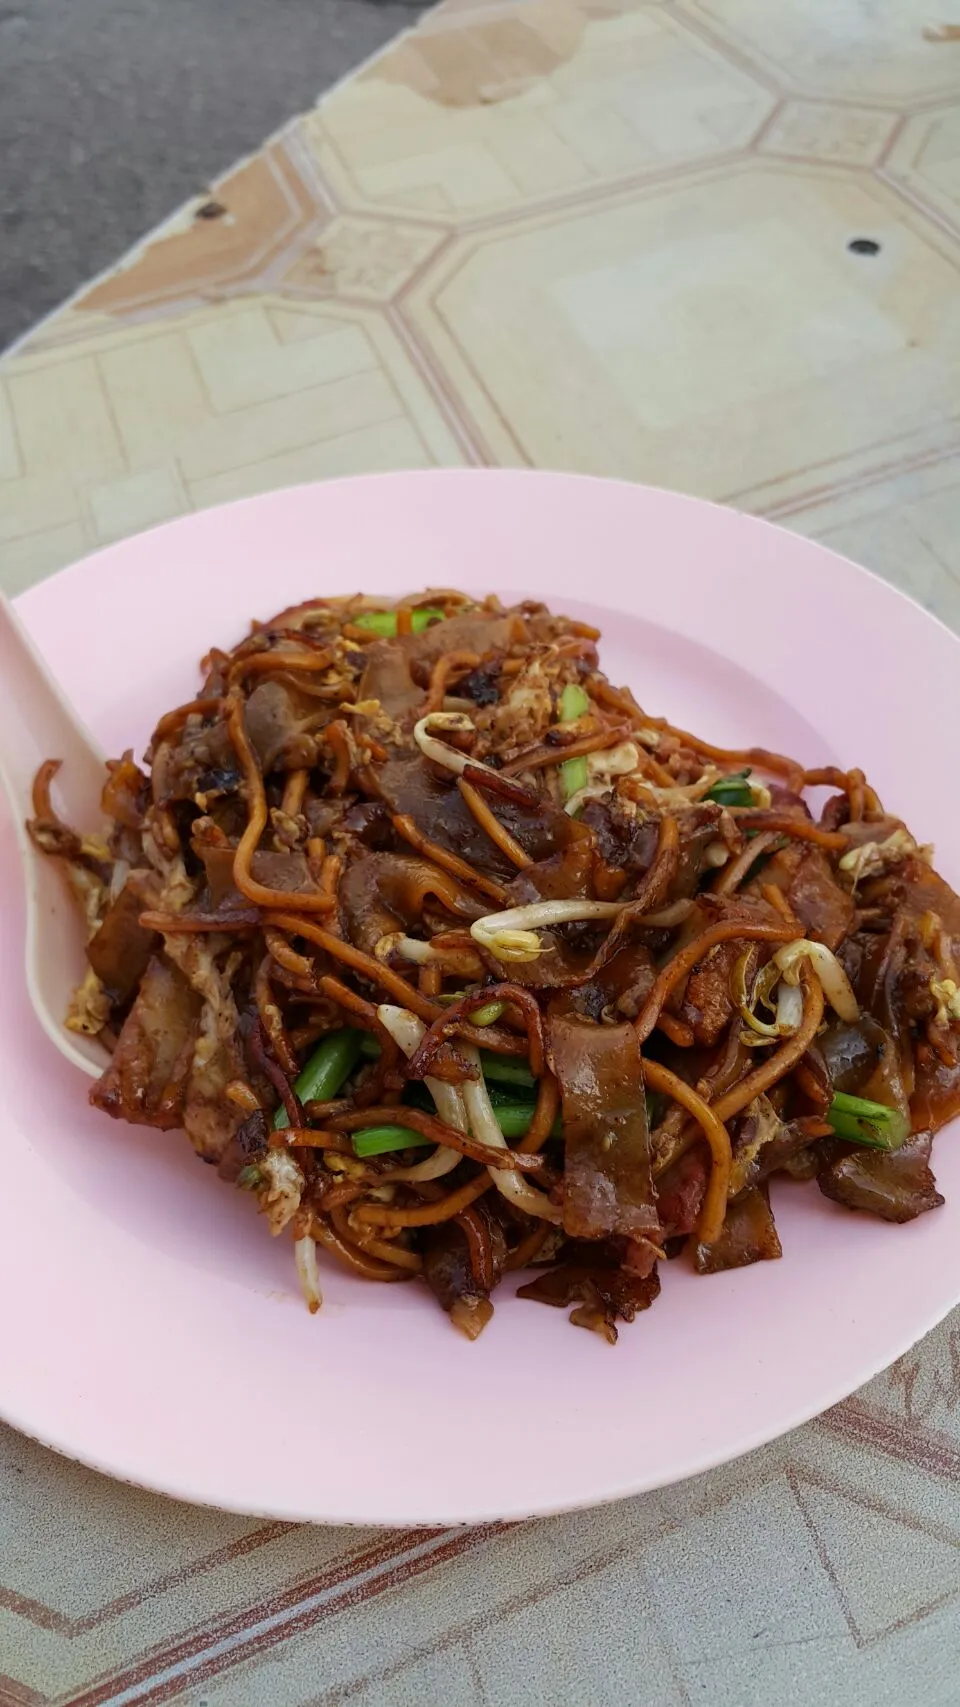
(506, 1069)
(249, 1177)
(377, 1140)
(573, 776)
(731, 790)
(574, 703)
(870, 1123)
(369, 1047)
(384, 622)
(487, 1015)
(514, 1118)
(331, 1062)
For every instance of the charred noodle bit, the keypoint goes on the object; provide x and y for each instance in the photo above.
(714, 1209)
(386, 915)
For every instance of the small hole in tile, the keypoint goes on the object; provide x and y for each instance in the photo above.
(863, 246)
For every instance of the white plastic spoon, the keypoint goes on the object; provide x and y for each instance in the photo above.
(37, 723)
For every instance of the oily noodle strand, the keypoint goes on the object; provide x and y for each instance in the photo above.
(803, 829)
(537, 757)
(733, 874)
(405, 826)
(257, 823)
(490, 823)
(405, 994)
(714, 1207)
(776, 763)
(426, 1214)
(726, 930)
(442, 671)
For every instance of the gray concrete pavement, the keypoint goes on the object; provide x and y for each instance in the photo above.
(112, 112)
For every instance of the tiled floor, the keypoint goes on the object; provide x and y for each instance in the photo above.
(712, 244)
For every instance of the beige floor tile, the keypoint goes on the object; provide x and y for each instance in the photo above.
(34, 502)
(10, 463)
(201, 406)
(155, 391)
(138, 501)
(706, 336)
(819, 130)
(264, 430)
(394, 444)
(505, 114)
(926, 160)
(63, 420)
(241, 361)
(878, 51)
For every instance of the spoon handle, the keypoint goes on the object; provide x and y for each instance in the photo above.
(37, 723)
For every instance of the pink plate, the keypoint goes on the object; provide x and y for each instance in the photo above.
(154, 1330)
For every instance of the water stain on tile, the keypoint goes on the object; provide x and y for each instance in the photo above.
(490, 60)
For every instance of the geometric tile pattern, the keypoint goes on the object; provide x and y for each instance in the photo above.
(609, 235)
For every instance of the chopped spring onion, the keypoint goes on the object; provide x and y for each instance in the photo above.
(573, 776)
(733, 790)
(378, 1140)
(506, 1069)
(574, 703)
(513, 1119)
(330, 1064)
(863, 1122)
(249, 1178)
(488, 1014)
(384, 622)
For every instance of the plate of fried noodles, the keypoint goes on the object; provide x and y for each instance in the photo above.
(520, 956)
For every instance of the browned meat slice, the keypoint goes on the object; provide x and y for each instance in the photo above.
(146, 1079)
(608, 1186)
(699, 828)
(591, 1277)
(707, 1003)
(286, 871)
(480, 634)
(381, 893)
(823, 908)
(463, 1262)
(680, 1192)
(120, 950)
(897, 1185)
(282, 724)
(387, 679)
(748, 1235)
(410, 788)
(201, 759)
(936, 1092)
